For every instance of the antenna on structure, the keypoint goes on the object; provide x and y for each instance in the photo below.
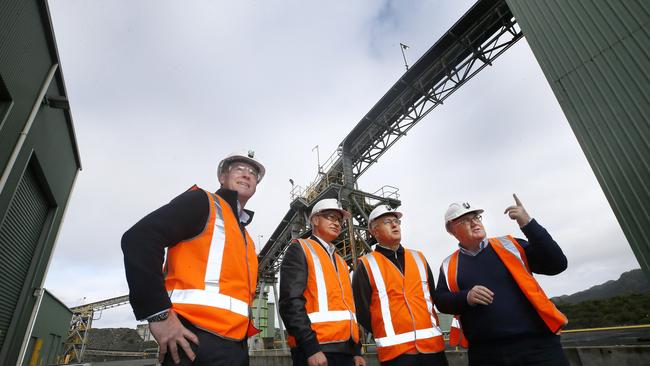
(403, 47)
(320, 170)
(259, 242)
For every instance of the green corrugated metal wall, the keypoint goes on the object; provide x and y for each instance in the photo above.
(20, 233)
(596, 57)
(37, 173)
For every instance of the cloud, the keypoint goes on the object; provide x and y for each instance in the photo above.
(160, 91)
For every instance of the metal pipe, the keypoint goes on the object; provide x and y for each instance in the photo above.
(277, 311)
(32, 320)
(3, 182)
(257, 315)
(28, 125)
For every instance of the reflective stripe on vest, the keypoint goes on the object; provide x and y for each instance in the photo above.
(321, 288)
(455, 323)
(425, 284)
(450, 269)
(514, 258)
(456, 336)
(383, 300)
(209, 297)
(212, 293)
(322, 314)
(391, 338)
(515, 250)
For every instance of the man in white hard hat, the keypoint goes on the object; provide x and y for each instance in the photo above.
(394, 292)
(501, 313)
(198, 305)
(316, 302)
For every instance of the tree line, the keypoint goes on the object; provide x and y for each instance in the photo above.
(631, 309)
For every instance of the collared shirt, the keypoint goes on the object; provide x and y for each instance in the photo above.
(387, 248)
(329, 247)
(244, 217)
(481, 246)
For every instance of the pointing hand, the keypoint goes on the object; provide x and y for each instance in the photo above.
(518, 212)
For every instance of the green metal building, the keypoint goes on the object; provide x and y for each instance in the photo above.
(596, 57)
(45, 344)
(39, 162)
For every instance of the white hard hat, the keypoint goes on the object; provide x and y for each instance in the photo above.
(380, 211)
(247, 157)
(458, 209)
(328, 204)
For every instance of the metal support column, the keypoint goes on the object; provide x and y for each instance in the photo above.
(277, 312)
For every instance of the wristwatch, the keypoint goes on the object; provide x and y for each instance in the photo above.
(158, 317)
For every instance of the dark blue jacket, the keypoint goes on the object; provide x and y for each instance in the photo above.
(510, 316)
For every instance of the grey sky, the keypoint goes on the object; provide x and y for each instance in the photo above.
(161, 90)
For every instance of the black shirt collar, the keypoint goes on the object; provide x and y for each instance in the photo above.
(230, 196)
(386, 251)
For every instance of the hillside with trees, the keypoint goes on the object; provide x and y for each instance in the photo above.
(630, 282)
(625, 301)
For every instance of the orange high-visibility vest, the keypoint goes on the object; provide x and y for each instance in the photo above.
(211, 278)
(514, 258)
(328, 294)
(402, 316)
(456, 335)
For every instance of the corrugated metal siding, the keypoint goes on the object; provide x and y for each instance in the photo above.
(596, 56)
(19, 235)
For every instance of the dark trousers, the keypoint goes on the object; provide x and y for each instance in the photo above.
(333, 358)
(211, 351)
(526, 352)
(419, 359)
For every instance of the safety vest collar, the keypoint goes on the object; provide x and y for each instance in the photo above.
(230, 197)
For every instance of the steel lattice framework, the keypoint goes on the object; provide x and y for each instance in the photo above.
(486, 31)
(82, 318)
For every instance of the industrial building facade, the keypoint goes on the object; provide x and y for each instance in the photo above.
(39, 162)
(595, 57)
(45, 343)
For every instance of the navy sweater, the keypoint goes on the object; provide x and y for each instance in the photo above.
(510, 316)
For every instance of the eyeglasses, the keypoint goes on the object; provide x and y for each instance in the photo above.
(468, 220)
(240, 169)
(391, 222)
(332, 217)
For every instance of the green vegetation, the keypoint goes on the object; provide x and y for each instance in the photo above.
(631, 309)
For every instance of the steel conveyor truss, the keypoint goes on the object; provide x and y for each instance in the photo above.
(482, 34)
(82, 318)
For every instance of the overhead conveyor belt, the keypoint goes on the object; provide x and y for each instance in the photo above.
(482, 34)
